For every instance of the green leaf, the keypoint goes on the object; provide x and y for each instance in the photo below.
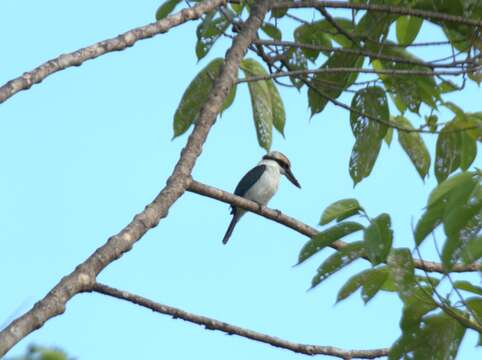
(414, 146)
(475, 304)
(340, 210)
(468, 286)
(312, 34)
(429, 221)
(444, 188)
(261, 102)
(297, 61)
(407, 29)
(462, 219)
(472, 251)
(438, 337)
(378, 237)
(388, 136)
(447, 154)
(371, 281)
(278, 109)
(468, 150)
(331, 84)
(195, 96)
(166, 8)
(368, 133)
(326, 238)
(338, 260)
(408, 92)
(209, 31)
(272, 31)
(402, 273)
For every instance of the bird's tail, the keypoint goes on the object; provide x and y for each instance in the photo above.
(231, 226)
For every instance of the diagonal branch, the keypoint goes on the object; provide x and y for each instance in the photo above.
(118, 43)
(302, 228)
(83, 277)
(212, 324)
(390, 9)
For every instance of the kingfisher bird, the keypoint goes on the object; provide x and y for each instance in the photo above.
(260, 184)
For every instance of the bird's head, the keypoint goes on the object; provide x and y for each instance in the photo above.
(284, 164)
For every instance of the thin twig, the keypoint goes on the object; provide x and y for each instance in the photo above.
(213, 324)
(390, 9)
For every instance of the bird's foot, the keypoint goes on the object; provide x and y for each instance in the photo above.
(260, 206)
(278, 212)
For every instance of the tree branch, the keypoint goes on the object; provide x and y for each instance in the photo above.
(212, 324)
(118, 43)
(393, 72)
(292, 223)
(361, 52)
(432, 15)
(83, 277)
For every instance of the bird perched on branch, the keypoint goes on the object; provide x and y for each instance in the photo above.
(260, 184)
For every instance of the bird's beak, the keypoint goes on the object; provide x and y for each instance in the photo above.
(292, 178)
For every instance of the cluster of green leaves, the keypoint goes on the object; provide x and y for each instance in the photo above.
(457, 204)
(267, 106)
(35, 352)
(432, 327)
(370, 117)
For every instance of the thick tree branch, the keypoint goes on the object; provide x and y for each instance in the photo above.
(218, 194)
(389, 9)
(118, 43)
(83, 277)
(212, 324)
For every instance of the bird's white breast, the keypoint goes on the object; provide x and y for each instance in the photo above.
(267, 185)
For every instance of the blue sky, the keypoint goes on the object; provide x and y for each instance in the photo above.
(85, 150)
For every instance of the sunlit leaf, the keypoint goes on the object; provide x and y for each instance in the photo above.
(312, 34)
(369, 133)
(402, 272)
(448, 154)
(166, 8)
(326, 238)
(196, 95)
(340, 210)
(414, 146)
(378, 237)
(338, 260)
(260, 102)
(272, 31)
(278, 109)
(429, 221)
(371, 281)
(438, 337)
(209, 31)
(331, 84)
(407, 29)
(468, 286)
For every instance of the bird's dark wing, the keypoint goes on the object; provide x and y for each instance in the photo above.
(246, 182)
(249, 179)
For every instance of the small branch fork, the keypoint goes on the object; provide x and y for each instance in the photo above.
(302, 228)
(212, 324)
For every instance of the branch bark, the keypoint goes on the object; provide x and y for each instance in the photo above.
(212, 324)
(389, 9)
(118, 43)
(302, 228)
(83, 277)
